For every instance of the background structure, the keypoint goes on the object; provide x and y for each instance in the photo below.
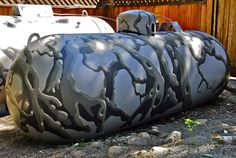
(216, 17)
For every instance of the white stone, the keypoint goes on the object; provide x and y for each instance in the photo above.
(159, 150)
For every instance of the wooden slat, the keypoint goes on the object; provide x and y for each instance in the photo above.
(232, 34)
(1, 11)
(209, 16)
(225, 22)
(220, 18)
(229, 33)
(203, 18)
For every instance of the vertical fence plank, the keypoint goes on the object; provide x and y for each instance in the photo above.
(232, 34)
(209, 16)
(1, 10)
(225, 21)
(203, 17)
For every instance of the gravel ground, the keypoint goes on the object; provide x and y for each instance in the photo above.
(214, 137)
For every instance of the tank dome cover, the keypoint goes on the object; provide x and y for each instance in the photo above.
(137, 21)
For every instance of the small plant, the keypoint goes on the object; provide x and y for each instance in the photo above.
(191, 124)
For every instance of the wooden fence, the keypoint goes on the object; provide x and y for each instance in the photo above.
(216, 17)
(5, 10)
(225, 27)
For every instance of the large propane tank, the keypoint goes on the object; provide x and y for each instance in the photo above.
(64, 87)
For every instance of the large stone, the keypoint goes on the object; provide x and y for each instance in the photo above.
(115, 151)
(144, 135)
(138, 141)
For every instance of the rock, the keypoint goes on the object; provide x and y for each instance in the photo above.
(115, 151)
(153, 152)
(96, 149)
(225, 131)
(159, 151)
(174, 138)
(96, 145)
(122, 139)
(141, 139)
(224, 126)
(75, 145)
(154, 131)
(224, 139)
(229, 128)
(137, 141)
(231, 86)
(144, 135)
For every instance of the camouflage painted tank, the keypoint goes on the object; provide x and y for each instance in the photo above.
(64, 87)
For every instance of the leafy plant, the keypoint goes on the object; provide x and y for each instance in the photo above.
(191, 124)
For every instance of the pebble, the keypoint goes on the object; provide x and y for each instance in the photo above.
(115, 151)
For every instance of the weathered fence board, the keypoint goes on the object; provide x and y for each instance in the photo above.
(190, 16)
(226, 30)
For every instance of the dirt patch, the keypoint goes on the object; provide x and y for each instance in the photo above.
(214, 137)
